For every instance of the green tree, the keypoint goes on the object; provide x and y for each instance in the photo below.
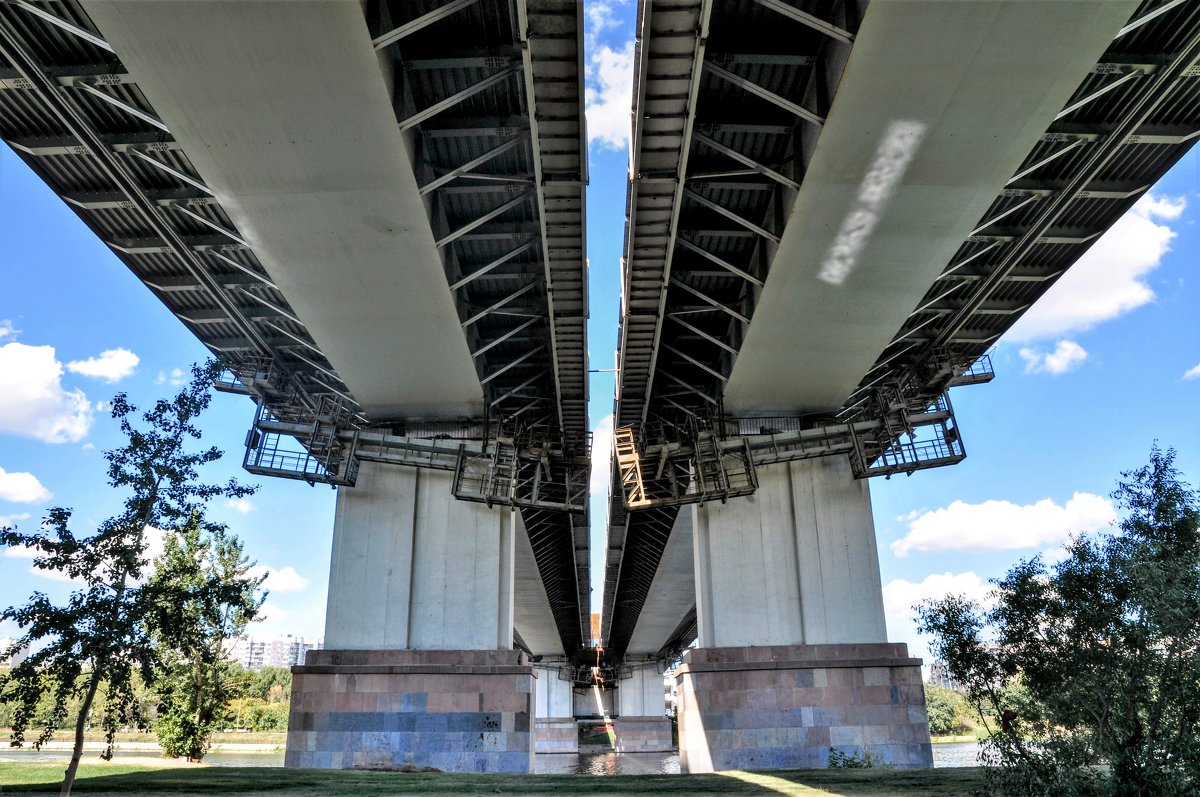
(1105, 648)
(273, 684)
(102, 633)
(949, 712)
(195, 680)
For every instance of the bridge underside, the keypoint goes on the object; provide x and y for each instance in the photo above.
(385, 232)
(868, 197)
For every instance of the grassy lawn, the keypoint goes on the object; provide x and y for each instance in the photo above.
(67, 735)
(121, 778)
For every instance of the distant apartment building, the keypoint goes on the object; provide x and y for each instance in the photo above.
(283, 651)
(5, 644)
(939, 675)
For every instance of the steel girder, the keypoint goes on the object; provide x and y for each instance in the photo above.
(729, 102)
(490, 92)
(705, 209)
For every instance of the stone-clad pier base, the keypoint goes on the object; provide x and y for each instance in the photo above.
(784, 706)
(455, 710)
(556, 735)
(643, 734)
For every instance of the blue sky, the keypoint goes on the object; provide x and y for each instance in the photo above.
(1085, 383)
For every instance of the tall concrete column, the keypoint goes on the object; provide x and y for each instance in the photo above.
(417, 569)
(793, 655)
(418, 667)
(793, 564)
(555, 729)
(641, 724)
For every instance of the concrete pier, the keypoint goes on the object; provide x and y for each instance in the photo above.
(555, 728)
(418, 668)
(454, 710)
(793, 655)
(641, 724)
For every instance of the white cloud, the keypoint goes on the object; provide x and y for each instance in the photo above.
(11, 520)
(1067, 356)
(22, 488)
(601, 16)
(284, 579)
(175, 377)
(271, 613)
(609, 102)
(7, 330)
(112, 365)
(1003, 525)
(1192, 372)
(33, 402)
(155, 541)
(1109, 280)
(1052, 556)
(55, 575)
(602, 446)
(240, 505)
(900, 597)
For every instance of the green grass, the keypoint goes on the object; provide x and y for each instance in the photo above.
(66, 735)
(116, 778)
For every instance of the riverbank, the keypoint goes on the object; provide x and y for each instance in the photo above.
(93, 741)
(963, 739)
(102, 780)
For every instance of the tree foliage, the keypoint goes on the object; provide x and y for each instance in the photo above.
(195, 681)
(949, 712)
(103, 634)
(1105, 649)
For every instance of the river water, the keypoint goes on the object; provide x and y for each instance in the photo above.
(944, 755)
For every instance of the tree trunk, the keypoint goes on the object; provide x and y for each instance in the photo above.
(77, 750)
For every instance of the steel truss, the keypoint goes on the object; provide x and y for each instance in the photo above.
(490, 96)
(897, 429)
(321, 439)
(69, 109)
(491, 91)
(726, 116)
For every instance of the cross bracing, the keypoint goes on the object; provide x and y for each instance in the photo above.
(730, 99)
(489, 93)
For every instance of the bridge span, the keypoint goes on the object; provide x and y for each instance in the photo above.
(835, 209)
(373, 215)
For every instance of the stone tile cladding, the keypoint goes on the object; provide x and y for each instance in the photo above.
(456, 710)
(643, 734)
(556, 735)
(784, 706)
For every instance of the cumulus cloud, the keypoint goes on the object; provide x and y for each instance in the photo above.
(901, 596)
(609, 91)
(270, 613)
(1192, 372)
(284, 579)
(154, 541)
(602, 15)
(112, 365)
(56, 575)
(1002, 525)
(1110, 279)
(7, 330)
(7, 521)
(1067, 356)
(175, 377)
(33, 401)
(22, 488)
(240, 505)
(602, 444)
